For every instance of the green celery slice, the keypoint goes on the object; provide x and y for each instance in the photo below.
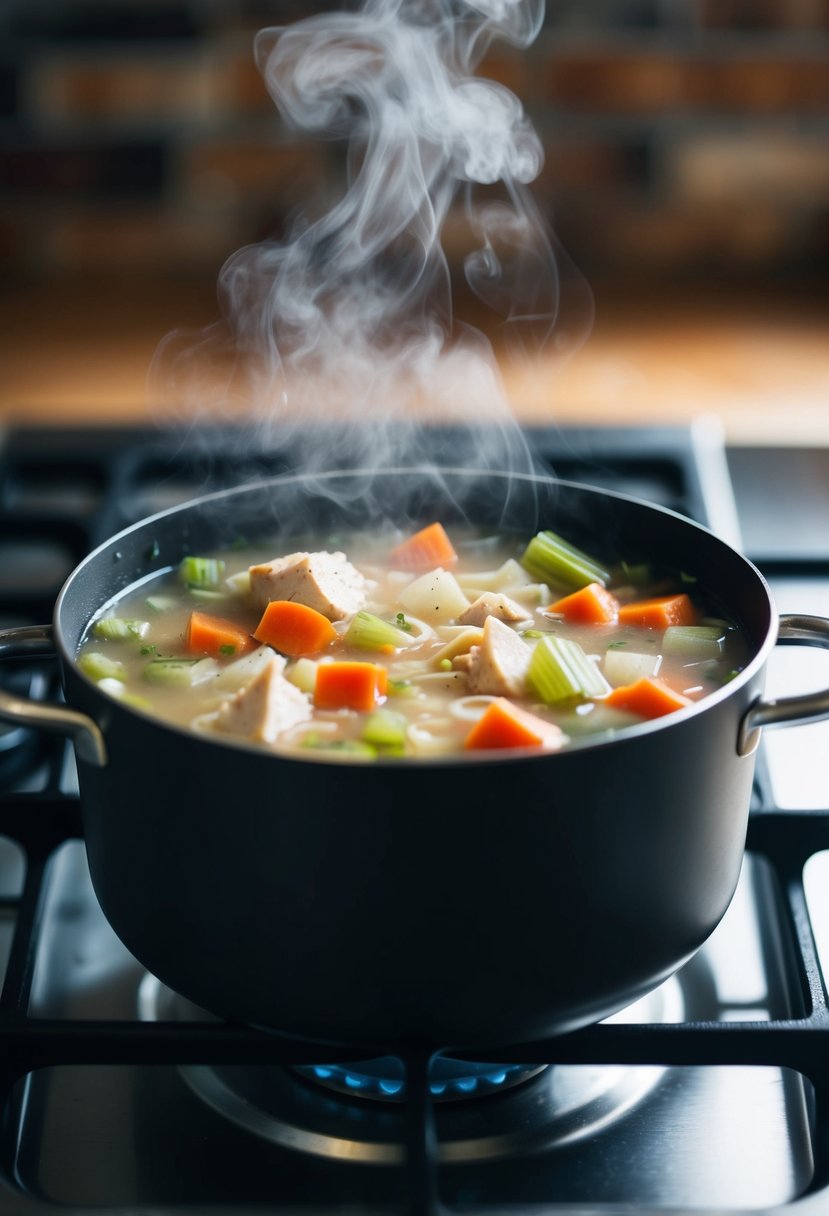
(100, 667)
(560, 671)
(118, 629)
(385, 728)
(354, 747)
(202, 573)
(161, 603)
(694, 642)
(552, 559)
(179, 673)
(369, 632)
(203, 593)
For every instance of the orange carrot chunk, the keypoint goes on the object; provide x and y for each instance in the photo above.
(294, 629)
(503, 724)
(428, 548)
(592, 605)
(348, 685)
(648, 697)
(660, 612)
(216, 636)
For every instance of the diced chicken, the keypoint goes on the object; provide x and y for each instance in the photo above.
(499, 665)
(493, 603)
(266, 707)
(325, 581)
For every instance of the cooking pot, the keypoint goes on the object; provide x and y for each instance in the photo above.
(447, 902)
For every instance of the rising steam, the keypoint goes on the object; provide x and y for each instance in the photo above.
(349, 318)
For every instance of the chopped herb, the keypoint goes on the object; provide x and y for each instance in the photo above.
(687, 579)
(227, 649)
(536, 633)
(153, 551)
(401, 622)
(149, 649)
(615, 645)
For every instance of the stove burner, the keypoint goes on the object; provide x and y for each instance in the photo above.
(384, 1079)
(564, 1104)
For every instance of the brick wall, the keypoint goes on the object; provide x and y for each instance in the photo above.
(681, 136)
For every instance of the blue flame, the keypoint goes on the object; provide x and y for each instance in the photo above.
(386, 1077)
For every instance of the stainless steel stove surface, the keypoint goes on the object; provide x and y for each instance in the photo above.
(710, 1095)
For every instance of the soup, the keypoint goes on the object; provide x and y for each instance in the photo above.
(432, 644)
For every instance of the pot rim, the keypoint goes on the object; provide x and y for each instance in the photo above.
(514, 755)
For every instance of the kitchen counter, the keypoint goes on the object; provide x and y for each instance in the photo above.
(756, 356)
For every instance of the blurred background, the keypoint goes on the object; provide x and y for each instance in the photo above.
(687, 175)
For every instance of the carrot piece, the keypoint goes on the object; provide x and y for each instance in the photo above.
(347, 685)
(216, 636)
(294, 629)
(428, 548)
(660, 612)
(503, 724)
(592, 605)
(648, 697)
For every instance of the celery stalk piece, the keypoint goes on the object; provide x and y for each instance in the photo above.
(560, 671)
(369, 632)
(204, 593)
(694, 642)
(552, 559)
(161, 603)
(347, 747)
(118, 629)
(203, 573)
(385, 728)
(100, 667)
(180, 673)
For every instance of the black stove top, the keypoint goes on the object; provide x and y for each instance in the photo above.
(711, 1094)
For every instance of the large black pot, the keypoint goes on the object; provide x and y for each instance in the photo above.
(450, 902)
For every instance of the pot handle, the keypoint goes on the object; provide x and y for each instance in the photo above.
(808, 707)
(31, 641)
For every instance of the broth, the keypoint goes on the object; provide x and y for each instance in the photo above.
(426, 650)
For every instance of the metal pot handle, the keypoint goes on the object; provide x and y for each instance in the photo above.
(31, 641)
(808, 707)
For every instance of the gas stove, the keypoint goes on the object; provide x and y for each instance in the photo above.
(710, 1094)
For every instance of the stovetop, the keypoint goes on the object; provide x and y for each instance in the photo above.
(710, 1094)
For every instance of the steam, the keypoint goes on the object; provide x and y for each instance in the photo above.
(346, 325)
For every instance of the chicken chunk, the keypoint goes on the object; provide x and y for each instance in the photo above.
(499, 665)
(493, 603)
(325, 581)
(266, 707)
